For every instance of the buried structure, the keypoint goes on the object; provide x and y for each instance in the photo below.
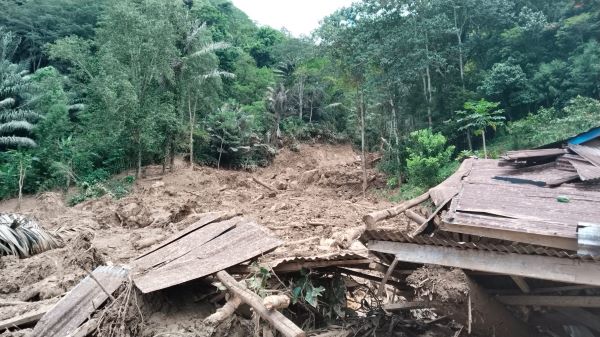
(525, 232)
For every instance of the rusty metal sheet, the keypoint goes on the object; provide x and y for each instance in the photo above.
(194, 256)
(586, 171)
(445, 239)
(588, 239)
(72, 310)
(526, 154)
(590, 153)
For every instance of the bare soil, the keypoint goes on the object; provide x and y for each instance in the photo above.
(316, 208)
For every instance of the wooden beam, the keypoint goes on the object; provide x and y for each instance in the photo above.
(411, 305)
(521, 283)
(560, 289)
(24, 319)
(372, 218)
(398, 285)
(532, 266)
(387, 276)
(297, 266)
(552, 301)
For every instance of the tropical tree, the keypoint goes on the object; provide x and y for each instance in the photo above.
(480, 115)
(16, 93)
(277, 99)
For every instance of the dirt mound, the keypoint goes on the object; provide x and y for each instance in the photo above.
(439, 283)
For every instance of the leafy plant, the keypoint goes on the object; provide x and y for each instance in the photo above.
(480, 115)
(427, 156)
(303, 289)
(258, 281)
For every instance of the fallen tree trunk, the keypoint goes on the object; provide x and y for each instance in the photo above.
(275, 318)
(222, 313)
(372, 218)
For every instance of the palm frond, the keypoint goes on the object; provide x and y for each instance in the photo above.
(13, 141)
(24, 237)
(209, 48)
(12, 126)
(215, 74)
(18, 115)
(7, 102)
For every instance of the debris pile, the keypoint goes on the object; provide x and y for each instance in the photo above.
(519, 227)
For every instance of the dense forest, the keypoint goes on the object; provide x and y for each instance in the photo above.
(89, 89)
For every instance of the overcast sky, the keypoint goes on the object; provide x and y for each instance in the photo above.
(297, 16)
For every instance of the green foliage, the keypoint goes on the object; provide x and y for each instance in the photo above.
(13, 166)
(551, 125)
(428, 155)
(98, 184)
(303, 289)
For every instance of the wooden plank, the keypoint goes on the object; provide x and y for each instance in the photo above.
(24, 319)
(193, 260)
(411, 305)
(542, 233)
(297, 266)
(537, 153)
(561, 289)
(532, 266)
(73, 309)
(206, 219)
(551, 301)
(521, 283)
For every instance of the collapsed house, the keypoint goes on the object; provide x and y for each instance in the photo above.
(525, 229)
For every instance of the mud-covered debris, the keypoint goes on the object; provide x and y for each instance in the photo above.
(440, 284)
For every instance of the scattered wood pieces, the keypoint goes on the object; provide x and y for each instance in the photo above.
(148, 242)
(25, 319)
(224, 312)
(263, 184)
(521, 283)
(275, 318)
(388, 274)
(86, 329)
(372, 218)
(276, 302)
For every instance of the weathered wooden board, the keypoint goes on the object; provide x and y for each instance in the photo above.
(203, 252)
(204, 220)
(533, 266)
(536, 232)
(178, 248)
(73, 309)
(27, 318)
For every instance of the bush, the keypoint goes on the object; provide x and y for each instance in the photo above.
(429, 160)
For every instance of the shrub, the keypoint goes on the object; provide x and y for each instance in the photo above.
(429, 160)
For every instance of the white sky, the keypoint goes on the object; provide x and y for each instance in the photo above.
(300, 17)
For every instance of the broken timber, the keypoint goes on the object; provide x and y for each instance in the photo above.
(73, 309)
(24, 319)
(274, 317)
(532, 266)
(372, 218)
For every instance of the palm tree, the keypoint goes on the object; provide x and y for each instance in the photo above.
(277, 103)
(479, 116)
(16, 93)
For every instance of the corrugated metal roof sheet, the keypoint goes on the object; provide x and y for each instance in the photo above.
(337, 256)
(72, 310)
(444, 239)
(591, 154)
